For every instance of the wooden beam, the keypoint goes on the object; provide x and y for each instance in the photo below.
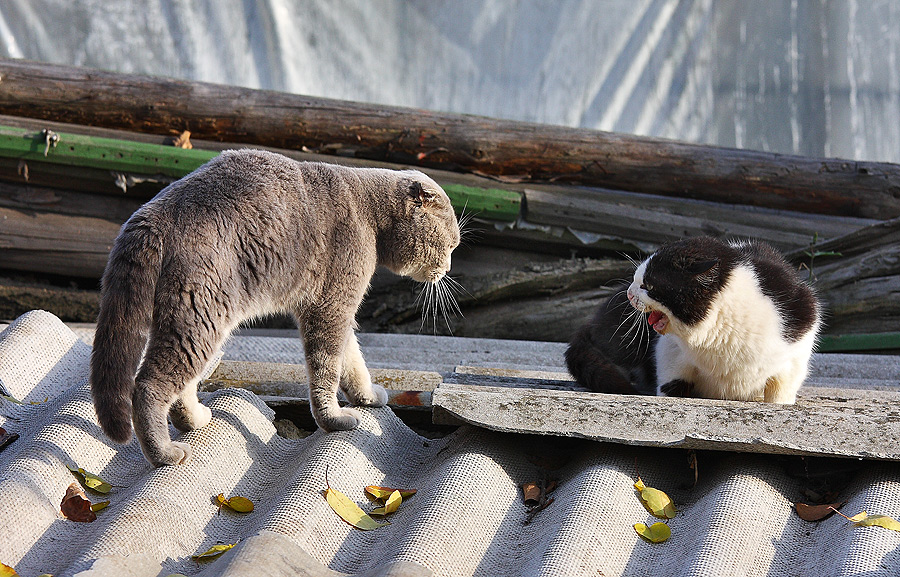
(501, 148)
(130, 157)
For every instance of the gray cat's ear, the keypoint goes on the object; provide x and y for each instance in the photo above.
(418, 193)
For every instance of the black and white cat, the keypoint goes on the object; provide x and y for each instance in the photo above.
(730, 321)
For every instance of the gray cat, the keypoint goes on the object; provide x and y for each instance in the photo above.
(248, 234)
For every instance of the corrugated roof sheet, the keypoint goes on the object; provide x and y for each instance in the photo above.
(468, 517)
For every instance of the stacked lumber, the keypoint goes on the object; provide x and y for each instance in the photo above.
(555, 207)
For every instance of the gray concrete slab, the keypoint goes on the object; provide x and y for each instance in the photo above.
(825, 422)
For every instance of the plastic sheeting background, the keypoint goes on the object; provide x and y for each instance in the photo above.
(812, 77)
(466, 519)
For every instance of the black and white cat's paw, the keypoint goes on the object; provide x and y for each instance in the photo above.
(677, 388)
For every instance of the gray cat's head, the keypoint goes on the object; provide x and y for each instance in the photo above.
(425, 231)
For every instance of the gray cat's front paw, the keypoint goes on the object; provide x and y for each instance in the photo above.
(341, 420)
(379, 397)
(174, 453)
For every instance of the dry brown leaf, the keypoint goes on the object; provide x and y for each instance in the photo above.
(816, 512)
(531, 493)
(183, 140)
(76, 506)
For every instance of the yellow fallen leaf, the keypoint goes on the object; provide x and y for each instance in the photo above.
(655, 501)
(865, 520)
(391, 505)
(12, 399)
(90, 480)
(655, 533)
(99, 506)
(213, 552)
(235, 503)
(7, 571)
(350, 511)
(382, 493)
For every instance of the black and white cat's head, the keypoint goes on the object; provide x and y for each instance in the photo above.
(676, 286)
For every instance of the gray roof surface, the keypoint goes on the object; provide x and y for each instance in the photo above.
(468, 518)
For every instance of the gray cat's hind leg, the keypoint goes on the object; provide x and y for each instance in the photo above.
(355, 379)
(186, 412)
(166, 385)
(150, 403)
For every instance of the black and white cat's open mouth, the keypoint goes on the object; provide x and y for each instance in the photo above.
(659, 321)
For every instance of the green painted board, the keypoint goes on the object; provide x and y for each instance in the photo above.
(859, 343)
(128, 156)
(104, 153)
(487, 203)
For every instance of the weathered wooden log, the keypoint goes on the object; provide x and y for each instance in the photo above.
(506, 149)
(858, 278)
(650, 220)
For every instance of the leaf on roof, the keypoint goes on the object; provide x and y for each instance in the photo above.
(348, 510)
(75, 505)
(12, 399)
(655, 533)
(816, 512)
(7, 571)
(90, 480)
(99, 506)
(655, 501)
(5, 440)
(863, 519)
(391, 504)
(213, 552)
(236, 503)
(382, 493)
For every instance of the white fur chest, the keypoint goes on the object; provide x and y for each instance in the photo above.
(737, 351)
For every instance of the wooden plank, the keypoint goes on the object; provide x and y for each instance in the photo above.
(651, 220)
(292, 380)
(104, 153)
(505, 149)
(825, 422)
(130, 157)
(75, 246)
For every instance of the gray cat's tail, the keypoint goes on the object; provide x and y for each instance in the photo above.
(126, 309)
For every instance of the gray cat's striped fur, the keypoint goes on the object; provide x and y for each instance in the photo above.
(248, 234)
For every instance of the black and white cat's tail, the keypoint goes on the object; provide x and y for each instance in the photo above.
(126, 307)
(613, 352)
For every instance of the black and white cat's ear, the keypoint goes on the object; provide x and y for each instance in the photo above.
(420, 194)
(704, 271)
(702, 267)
